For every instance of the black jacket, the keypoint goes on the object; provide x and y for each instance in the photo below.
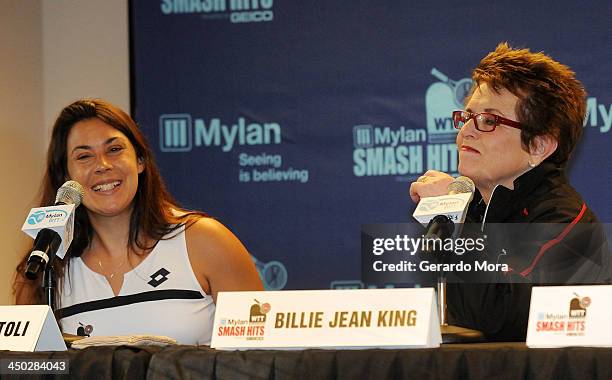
(551, 237)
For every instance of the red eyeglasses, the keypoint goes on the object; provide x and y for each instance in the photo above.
(483, 121)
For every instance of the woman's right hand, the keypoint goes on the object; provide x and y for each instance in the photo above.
(431, 184)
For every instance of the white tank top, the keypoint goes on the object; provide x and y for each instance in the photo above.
(160, 296)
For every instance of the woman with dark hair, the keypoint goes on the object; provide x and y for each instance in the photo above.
(138, 263)
(523, 118)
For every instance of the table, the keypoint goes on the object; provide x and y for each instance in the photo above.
(454, 361)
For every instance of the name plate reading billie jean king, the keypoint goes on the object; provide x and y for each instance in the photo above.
(29, 328)
(562, 316)
(295, 319)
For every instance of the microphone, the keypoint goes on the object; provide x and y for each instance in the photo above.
(439, 227)
(461, 185)
(52, 228)
(452, 205)
(71, 192)
(45, 245)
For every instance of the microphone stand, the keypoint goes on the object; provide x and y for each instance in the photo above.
(441, 293)
(49, 284)
(442, 227)
(450, 333)
(46, 244)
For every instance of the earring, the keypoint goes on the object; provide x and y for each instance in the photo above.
(531, 164)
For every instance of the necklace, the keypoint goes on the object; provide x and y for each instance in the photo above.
(117, 268)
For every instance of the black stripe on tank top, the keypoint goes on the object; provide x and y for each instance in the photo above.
(107, 303)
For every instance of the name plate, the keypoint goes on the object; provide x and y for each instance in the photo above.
(294, 319)
(561, 316)
(29, 328)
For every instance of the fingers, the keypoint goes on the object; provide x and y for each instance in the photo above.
(414, 192)
(432, 183)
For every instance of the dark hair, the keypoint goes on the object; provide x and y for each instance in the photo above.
(551, 100)
(152, 217)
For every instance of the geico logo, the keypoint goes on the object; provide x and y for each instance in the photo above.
(257, 16)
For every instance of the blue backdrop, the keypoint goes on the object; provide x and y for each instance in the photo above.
(294, 122)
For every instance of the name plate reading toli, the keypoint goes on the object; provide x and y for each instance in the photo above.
(295, 319)
(29, 328)
(561, 316)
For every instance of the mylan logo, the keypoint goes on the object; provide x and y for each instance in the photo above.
(175, 133)
(363, 136)
(36, 217)
(48, 215)
(178, 134)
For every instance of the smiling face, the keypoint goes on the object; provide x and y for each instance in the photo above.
(104, 161)
(491, 158)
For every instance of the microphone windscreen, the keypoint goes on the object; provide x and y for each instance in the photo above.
(71, 192)
(461, 185)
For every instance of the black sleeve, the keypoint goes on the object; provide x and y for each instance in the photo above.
(500, 311)
(569, 251)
